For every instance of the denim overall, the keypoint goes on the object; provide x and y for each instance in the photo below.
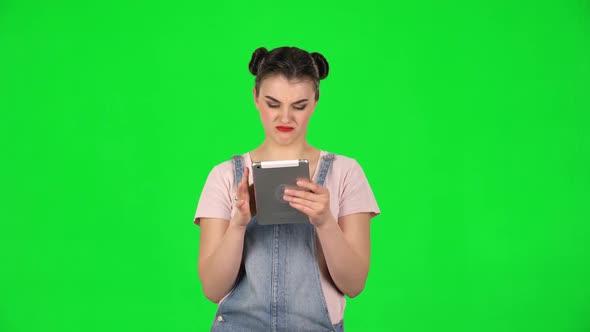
(278, 287)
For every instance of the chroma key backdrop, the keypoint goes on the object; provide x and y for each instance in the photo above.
(469, 118)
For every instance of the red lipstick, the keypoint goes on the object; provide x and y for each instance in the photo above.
(284, 128)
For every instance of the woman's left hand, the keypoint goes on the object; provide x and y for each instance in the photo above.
(315, 204)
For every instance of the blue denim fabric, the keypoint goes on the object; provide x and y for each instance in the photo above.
(278, 287)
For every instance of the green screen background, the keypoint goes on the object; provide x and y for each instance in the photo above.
(470, 120)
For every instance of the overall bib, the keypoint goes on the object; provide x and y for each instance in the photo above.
(278, 287)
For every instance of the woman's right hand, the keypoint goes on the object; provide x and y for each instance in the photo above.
(243, 214)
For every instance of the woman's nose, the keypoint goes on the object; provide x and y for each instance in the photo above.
(285, 115)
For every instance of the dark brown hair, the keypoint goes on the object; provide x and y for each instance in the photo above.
(291, 62)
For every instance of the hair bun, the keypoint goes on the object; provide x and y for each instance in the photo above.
(257, 57)
(322, 64)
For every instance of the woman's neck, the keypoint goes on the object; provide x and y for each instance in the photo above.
(268, 151)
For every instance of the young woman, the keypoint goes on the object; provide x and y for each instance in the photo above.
(286, 277)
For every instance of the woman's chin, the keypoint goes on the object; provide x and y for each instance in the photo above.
(284, 141)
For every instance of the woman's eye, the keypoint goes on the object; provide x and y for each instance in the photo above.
(299, 108)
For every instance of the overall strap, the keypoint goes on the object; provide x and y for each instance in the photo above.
(326, 162)
(238, 162)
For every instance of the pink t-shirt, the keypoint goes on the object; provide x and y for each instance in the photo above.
(349, 193)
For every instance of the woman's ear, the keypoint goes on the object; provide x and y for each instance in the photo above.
(255, 97)
(315, 103)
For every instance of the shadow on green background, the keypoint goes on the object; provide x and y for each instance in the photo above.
(469, 119)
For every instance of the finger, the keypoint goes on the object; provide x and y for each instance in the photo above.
(302, 194)
(316, 188)
(305, 209)
(243, 189)
(312, 205)
(245, 176)
(239, 204)
(242, 205)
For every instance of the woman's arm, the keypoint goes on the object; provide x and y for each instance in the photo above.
(221, 245)
(220, 255)
(346, 246)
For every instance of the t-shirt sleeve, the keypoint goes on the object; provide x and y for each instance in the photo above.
(357, 195)
(215, 199)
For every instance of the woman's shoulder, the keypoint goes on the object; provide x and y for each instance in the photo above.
(225, 168)
(343, 162)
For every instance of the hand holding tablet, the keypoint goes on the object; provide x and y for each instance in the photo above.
(271, 178)
(313, 200)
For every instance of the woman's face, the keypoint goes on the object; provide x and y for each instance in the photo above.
(285, 108)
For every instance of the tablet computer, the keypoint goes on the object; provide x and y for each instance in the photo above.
(270, 180)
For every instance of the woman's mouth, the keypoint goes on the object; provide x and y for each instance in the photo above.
(284, 128)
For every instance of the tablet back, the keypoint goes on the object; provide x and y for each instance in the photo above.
(270, 180)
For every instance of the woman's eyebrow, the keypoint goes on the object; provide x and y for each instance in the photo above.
(276, 101)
